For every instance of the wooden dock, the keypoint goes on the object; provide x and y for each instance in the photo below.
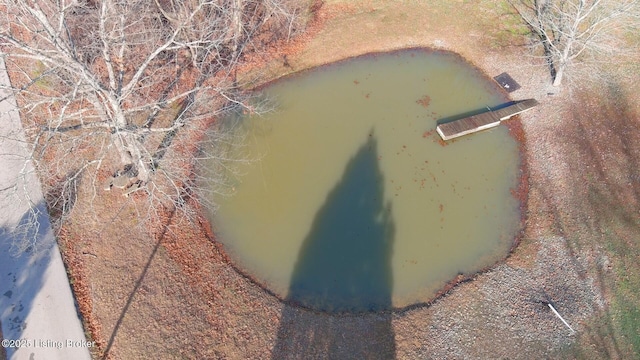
(486, 120)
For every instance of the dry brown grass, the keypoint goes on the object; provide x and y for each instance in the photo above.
(600, 207)
(174, 293)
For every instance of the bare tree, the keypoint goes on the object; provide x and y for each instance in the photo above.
(114, 83)
(569, 30)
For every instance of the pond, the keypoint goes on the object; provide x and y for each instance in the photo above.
(352, 203)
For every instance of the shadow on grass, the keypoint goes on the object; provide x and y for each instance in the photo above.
(599, 210)
(343, 273)
(136, 287)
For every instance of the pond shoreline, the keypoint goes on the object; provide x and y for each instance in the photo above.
(196, 304)
(519, 193)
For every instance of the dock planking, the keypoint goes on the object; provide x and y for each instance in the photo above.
(483, 121)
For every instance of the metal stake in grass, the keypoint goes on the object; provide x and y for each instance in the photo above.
(560, 317)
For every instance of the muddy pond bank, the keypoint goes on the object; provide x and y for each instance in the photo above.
(193, 304)
(428, 164)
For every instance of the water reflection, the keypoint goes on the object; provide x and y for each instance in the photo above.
(344, 265)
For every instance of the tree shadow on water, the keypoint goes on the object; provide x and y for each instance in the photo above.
(343, 273)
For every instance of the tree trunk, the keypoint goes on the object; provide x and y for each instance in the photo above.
(138, 157)
(236, 25)
(132, 152)
(557, 80)
(562, 63)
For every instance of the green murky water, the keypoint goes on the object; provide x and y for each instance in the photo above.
(354, 204)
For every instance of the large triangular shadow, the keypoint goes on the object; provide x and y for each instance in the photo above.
(344, 266)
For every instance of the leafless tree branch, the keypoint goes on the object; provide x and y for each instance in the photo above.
(568, 30)
(116, 83)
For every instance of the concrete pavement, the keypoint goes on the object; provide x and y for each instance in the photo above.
(38, 314)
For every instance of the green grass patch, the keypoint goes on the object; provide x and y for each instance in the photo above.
(628, 319)
(610, 212)
(623, 280)
(510, 28)
(626, 306)
(39, 76)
